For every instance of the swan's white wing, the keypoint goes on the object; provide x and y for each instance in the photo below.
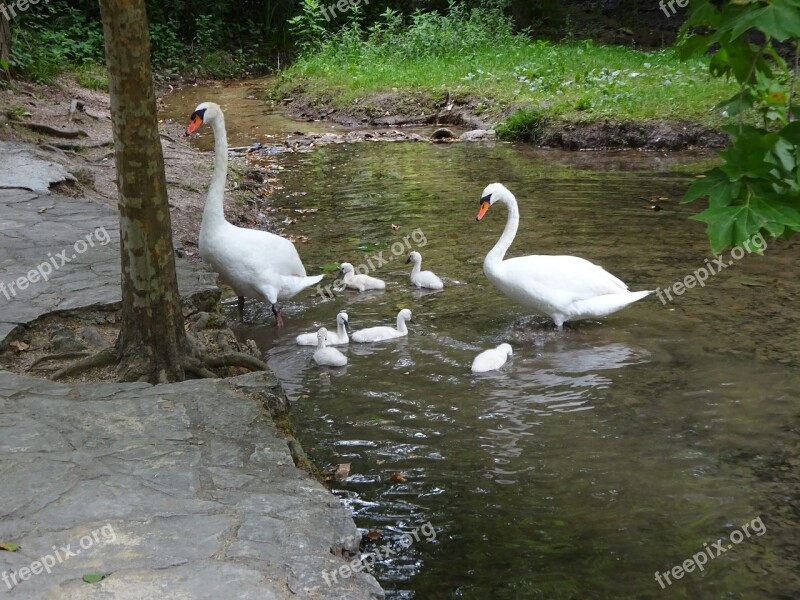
(264, 249)
(570, 276)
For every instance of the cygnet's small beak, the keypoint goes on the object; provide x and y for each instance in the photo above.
(408, 260)
(347, 327)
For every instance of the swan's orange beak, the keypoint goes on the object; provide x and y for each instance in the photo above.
(484, 207)
(193, 126)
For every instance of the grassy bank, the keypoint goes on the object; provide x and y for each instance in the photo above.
(477, 58)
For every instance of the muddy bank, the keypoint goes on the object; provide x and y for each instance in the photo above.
(409, 109)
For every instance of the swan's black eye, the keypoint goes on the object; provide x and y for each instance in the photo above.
(198, 113)
(486, 198)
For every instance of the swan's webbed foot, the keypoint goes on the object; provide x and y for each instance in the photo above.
(240, 306)
(276, 310)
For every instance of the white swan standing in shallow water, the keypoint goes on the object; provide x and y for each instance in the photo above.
(254, 263)
(565, 288)
(378, 334)
(340, 337)
(327, 357)
(422, 279)
(358, 281)
(492, 359)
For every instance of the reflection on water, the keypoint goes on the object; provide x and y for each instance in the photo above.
(599, 454)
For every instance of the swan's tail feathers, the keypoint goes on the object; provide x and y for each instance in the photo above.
(600, 306)
(309, 281)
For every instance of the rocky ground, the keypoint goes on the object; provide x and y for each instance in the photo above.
(126, 490)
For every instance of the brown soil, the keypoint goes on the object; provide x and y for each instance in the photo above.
(90, 158)
(397, 109)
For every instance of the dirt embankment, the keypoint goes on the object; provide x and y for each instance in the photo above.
(399, 109)
(38, 117)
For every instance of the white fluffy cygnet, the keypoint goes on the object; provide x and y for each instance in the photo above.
(327, 357)
(492, 359)
(423, 279)
(334, 338)
(378, 334)
(357, 281)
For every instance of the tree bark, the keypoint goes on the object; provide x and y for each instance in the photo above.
(5, 46)
(152, 341)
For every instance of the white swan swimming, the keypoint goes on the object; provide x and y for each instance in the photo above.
(422, 279)
(325, 356)
(339, 337)
(358, 281)
(378, 334)
(565, 288)
(254, 263)
(492, 359)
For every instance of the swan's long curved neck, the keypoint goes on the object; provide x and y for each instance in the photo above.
(214, 211)
(416, 268)
(401, 325)
(497, 253)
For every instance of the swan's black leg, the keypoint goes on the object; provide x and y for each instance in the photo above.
(241, 309)
(276, 310)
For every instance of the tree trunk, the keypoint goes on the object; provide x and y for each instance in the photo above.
(152, 342)
(5, 46)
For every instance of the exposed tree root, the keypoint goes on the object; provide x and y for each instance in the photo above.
(201, 368)
(104, 358)
(196, 368)
(63, 356)
(47, 129)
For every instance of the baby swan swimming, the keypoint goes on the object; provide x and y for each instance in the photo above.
(327, 357)
(358, 281)
(378, 334)
(492, 359)
(423, 279)
(334, 338)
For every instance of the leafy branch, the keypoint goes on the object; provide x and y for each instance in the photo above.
(757, 189)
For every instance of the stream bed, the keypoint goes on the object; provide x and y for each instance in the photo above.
(601, 454)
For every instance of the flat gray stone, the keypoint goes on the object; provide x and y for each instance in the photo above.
(25, 168)
(180, 491)
(60, 253)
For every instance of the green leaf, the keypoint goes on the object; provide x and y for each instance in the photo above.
(780, 19)
(9, 546)
(715, 184)
(791, 132)
(720, 222)
(94, 577)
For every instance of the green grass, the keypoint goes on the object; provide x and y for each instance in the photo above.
(93, 76)
(567, 81)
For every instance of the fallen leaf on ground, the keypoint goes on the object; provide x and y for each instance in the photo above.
(398, 478)
(93, 577)
(9, 546)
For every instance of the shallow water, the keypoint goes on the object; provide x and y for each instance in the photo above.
(600, 454)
